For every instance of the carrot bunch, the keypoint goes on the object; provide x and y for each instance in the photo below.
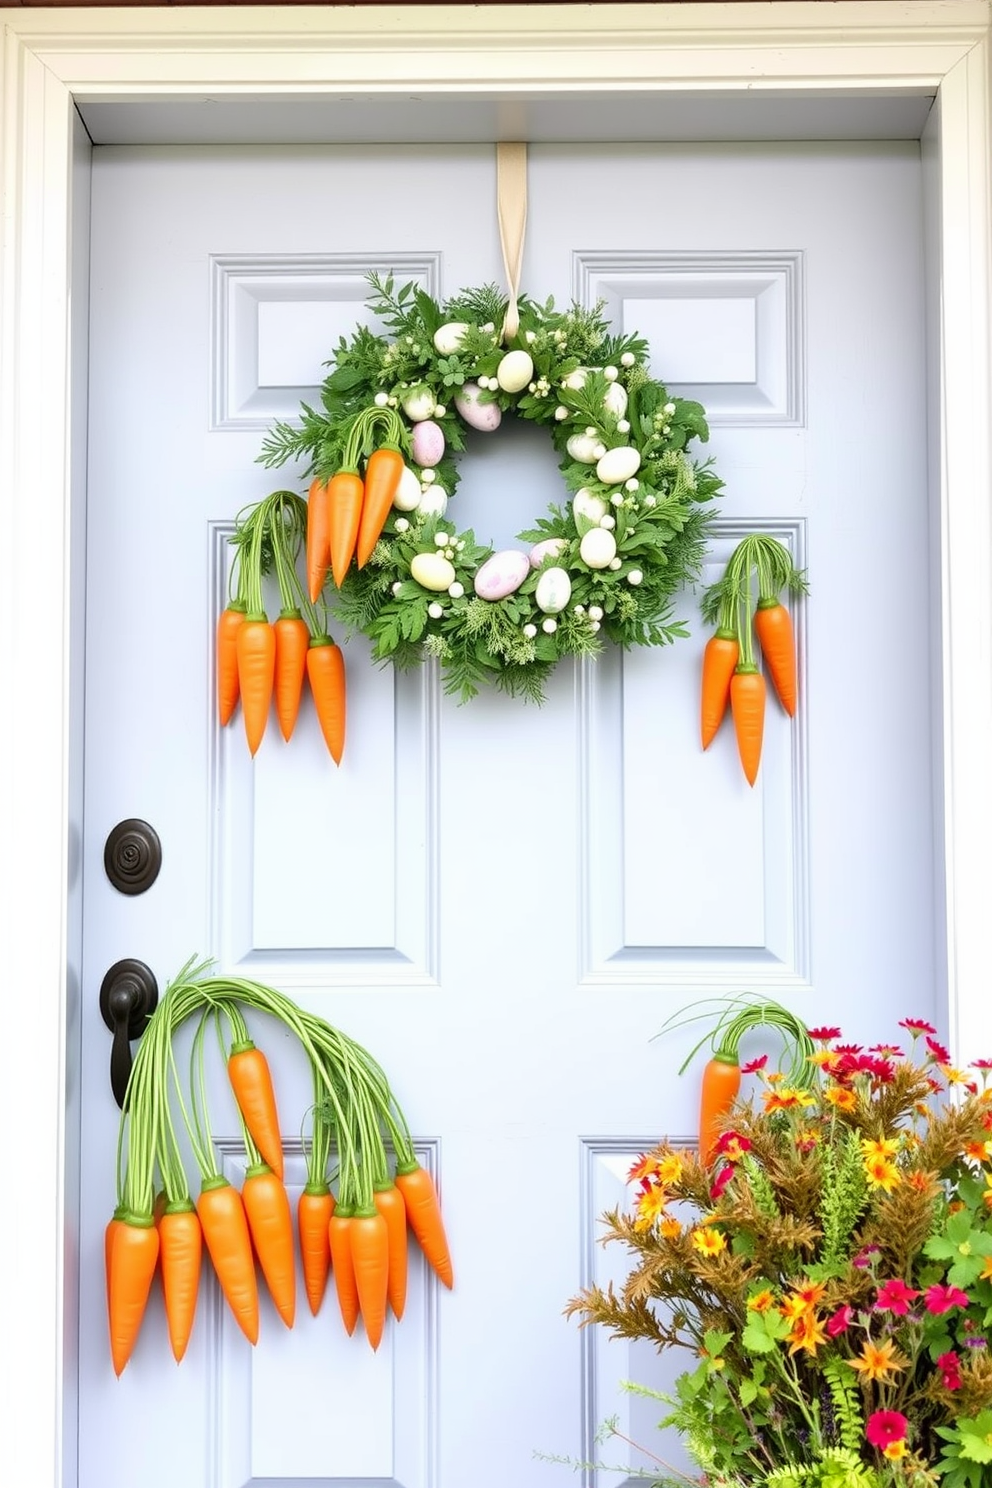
(359, 1235)
(730, 673)
(261, 663)
(346, 510)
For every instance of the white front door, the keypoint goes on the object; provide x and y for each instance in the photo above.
(502, 903)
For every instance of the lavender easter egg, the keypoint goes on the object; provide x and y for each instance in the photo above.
(427, 443)
(502, 574)
(483, 416)
(551, 547)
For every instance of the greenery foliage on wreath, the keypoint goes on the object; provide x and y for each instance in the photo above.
(623, 441)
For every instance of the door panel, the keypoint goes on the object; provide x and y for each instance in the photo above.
(502, 902)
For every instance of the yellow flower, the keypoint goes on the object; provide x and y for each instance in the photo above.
(955, 1076)
(761, 1301)
(670, 1228)
(669, 1170)
(986, 1274)
(893, 1450)
(884, 1147)
(807, 1334)
(839, 1096)
(878, 1361)
(650, 1207)
(820, 1057)
(881, 1173)
(709, 1242)
(788, 1098)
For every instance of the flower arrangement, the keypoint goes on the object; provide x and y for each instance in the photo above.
(830, 1270)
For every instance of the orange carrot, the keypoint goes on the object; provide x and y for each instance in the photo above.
(773, 625)
(369, 1237)
(228, 690)
(325, 668)
(225, 1229)
(313, 1216)
(318, 538)
(343, 1267)
(271, 1224)
(251, 1080)
(181, 1250)
(133, 1259)
(721, 1082)
(382, 477)
(720, 657)
(747, 703)
(423, 1213)
(389, 1202)
(292, 639)
(345, 493)
(256, 674)
(113, 1225)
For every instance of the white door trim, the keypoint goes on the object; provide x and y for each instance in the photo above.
(53, 58)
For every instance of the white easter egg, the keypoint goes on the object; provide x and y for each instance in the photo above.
(554, 590)
(483, 416)
(427, 442)
(515, 371)
(618, 465)
(586, 448)
(587, 509)
(418, 404)
(433, 501)
(551, 547)
(432, 571)
(576, 380)
(408, 492)
(502, 574)
(616, 399)
(448, 338)
(598, 548)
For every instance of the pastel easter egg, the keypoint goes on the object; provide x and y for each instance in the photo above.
(482, 416)
(432, 571)
(554, 589)
(427, 443)
(418, 403)
(515, 371)
(448, 338)
(551, 547)
(502, 574)
(433, 501)
(618, 465)
(408, 493)
(598, 548)
(586, 448)
(587, 509)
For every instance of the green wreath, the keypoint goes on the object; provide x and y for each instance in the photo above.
(604, 566)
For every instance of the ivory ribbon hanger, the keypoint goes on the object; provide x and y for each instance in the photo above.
(511, 208)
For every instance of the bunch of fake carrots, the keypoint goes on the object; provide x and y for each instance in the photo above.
(721, 1079)
(347, 511)
(358, 1235)
(261, 662)
(730, 669)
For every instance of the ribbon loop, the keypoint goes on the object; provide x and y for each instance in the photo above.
(511, 207)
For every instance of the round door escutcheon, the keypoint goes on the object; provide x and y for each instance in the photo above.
(132, 856)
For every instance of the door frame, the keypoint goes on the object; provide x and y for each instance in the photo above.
(54, 59)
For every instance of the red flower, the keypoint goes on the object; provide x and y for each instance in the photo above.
(916, 1025)
(823, 1035)
(732, 1144)
(880, 1069)
(982, 1064)
(886, 1426)
(943, 1298)
(950, 1368)
(940, 1054)
(887, 1051)
(895, 1296)
(754, 1065)
(721, 1180)
(840, 1321)
(848, 1049)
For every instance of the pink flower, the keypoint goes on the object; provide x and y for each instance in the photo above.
(895, 1296)
(823, 1035)
(840, 1321)
(848, 1049)
(880, 1069)
(981, 1064)
(886, 1426)
(732, 1145)
(940, 1054)
(916, 1025)
(943, 1298)
(754, 1065)
(721, 1180)
(864, 1257)
(888, 1051)
(950, 1368)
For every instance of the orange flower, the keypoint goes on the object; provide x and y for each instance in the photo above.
(761, 1301)
(807, 1334)
(977, 1151)
(670, 1229)
(878, 1361)
(843, 1099)
(894, 1450)
(789, 1098)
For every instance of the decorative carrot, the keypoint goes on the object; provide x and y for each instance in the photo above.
(423, 1213)
(720, 1087)
(292, 639)
(271, 1224)
(325, 669)
(181, 1250)
(747, 704)
(225, 1230)
(113, 1224)
(720, 657)
(318, 538)
(773, 625)
(369, 1238)
(345, 493)
(313, 1216)
(251, 1080)
(343, 1267)
(228, 690)
(133, 1259)
(256, 643)
(389, 1202)
(382, 477)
